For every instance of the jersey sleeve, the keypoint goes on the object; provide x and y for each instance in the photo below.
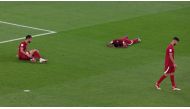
(21, 45)
(170, 50)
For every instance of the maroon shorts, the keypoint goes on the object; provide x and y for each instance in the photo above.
(23, 57)
(169, 69)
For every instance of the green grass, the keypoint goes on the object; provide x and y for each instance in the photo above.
(81, 70)
(9, 32)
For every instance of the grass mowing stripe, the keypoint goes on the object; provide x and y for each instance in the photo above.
(23, 26)
(43, 34)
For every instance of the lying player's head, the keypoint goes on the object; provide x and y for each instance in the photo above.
(175, 40)
(116, 45)
(29, 38)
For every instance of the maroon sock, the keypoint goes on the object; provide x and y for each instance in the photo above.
(161, 79)
(36, 55)
(172, 80)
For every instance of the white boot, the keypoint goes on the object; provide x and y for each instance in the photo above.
(41, 60)
(175, 88)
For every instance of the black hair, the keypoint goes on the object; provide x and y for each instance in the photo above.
(176, 38)
(117, 44)
(28, 36)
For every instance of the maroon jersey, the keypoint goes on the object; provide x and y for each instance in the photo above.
(168, 62)
(24, 46)
(120, 42)
(126, 40)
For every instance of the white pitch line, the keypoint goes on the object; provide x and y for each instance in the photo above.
(14, 24)
(26, 26)
(43, 34)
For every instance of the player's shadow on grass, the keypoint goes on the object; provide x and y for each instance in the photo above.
(6, 59)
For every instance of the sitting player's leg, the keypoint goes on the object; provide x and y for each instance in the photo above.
(23, 57)
(36, 55)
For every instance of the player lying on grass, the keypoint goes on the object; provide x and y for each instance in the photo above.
(31, 55)
(170, 65)
(123, 42)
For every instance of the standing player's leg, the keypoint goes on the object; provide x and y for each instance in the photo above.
(172, 78)
(157, 85)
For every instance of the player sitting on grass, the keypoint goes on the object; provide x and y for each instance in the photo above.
(123, 42)
(31, 55)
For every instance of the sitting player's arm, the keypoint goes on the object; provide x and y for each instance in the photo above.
(22, 51)
(125, 45)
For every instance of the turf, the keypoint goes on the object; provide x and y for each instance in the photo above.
(81, 70)
(9, 32)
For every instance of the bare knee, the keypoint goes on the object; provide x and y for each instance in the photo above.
(35, 50)
(172, 74)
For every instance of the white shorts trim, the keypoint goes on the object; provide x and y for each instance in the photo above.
(131, 42)
(167, 70)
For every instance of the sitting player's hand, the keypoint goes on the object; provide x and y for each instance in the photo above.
(28, 54)
(33, 60)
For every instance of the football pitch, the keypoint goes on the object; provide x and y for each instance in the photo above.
(81, 70)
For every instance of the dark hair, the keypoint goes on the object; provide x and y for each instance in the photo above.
(176, 38)
(28, 36)
(116, 45)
